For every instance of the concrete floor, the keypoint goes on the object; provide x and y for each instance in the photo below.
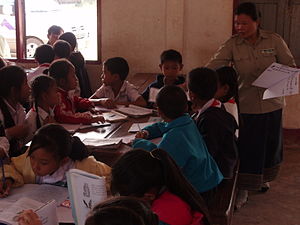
(281, 204)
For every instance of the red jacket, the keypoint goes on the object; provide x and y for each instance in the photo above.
(67, 109)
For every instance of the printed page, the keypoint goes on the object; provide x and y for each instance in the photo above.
(133, 110)
(102, 143)
(10, 214)
(137, 126)
(72, 128)
(99, 124)
(47, 213)
(114, 116)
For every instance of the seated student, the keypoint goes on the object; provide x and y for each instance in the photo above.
(227, 91)
(77, 59)
(171, 67)
(115, 88)
(215, 124)
(45, 97)
(62, 49)
(181, 139)
(44, 55)
(66, 111)
(4, 144)
(53, 152)
(155, 177)
(100, 215)
(14, 90)
(53, 33)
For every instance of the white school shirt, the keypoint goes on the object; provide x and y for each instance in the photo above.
(211, 102)
(37, 72)
(31, 120)
(127, 93)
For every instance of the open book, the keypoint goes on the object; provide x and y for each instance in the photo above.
(103, 143)
(114, 116)
(134, 111)
(46, 212)
(279, 80)
(85, 191)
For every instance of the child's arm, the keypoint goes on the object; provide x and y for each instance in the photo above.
(82, 104)
(18, 131)
(155, 130)
(105, 102)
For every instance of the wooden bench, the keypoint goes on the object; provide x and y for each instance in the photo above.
(223, 207)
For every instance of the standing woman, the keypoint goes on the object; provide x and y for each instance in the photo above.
(251, 51)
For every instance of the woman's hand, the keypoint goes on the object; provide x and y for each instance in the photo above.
(5, 187)
(28, 217)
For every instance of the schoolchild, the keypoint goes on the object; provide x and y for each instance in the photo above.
(115, 89)
(181, 139)
(45, 98)
(215, 124)
(53, 152)
(69, 106)
(62, 49)
(155, 177)
(14, 91)
(53, 33)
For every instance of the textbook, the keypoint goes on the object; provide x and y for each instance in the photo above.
(279, 80)
(134, 111)
(72, 128)
(46, 212)
(85, 191)
(102, 143)
(114, 116)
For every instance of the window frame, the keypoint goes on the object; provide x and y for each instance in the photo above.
(21, 35)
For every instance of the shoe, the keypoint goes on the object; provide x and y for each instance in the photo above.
(241, 199)
(265, 187)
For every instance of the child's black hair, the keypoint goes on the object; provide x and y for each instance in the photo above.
(44, 54)
(139, 206)
(54, 29)
(11, 77)
(60, 68)
(138, 171)
(228, 76)
(2, 62)
(40, 85)
(117, 65)
(203, 82)
(58, 141)
(170, 55)
(62, 49)
(114, 216)
(172, 101)
(249, 9)
(70, 38)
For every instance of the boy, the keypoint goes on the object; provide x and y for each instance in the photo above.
(53, 34)
(215, 124)
(115, 89)
(171, 67)
(44, 55)
(181, 139)
(62, 49)
(67, 111)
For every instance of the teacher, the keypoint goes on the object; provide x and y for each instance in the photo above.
(251, 51)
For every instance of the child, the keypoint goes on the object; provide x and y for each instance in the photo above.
(62, 49)
(181, 139)
(44, 55)
(155, 177)
(53, 33)
(53, 151)
(214, 123)
(67, 109)
(136, 207)
(77, 59)
(14, 90)
(44, 94)
(115, 88)
(227, 91)
(171, 67)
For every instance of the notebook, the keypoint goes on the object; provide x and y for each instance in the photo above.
(114, 116)
(103, 143)
(134, 111)
(85, 191)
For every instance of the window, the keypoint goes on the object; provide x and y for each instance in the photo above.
(24, 24)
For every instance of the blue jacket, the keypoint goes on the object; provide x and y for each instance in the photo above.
(182, 140)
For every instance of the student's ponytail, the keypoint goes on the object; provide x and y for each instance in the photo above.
(78, 150)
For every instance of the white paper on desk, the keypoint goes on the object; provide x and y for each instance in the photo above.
(137, 126)
(84, 126)
(72, 128)
(134, 111)
(106, 143)
(279, 80)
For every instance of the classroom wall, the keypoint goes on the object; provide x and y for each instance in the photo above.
(139, 30)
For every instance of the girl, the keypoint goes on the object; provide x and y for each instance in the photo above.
(53, 151)
(155, 177)
(14, 90)
(227, 91)
(44, 94)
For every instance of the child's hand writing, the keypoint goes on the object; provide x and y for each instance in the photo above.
(142, 134)
(98, 118)
(5, 187)
(28, 217)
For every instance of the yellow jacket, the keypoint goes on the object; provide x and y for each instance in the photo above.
(21, 172)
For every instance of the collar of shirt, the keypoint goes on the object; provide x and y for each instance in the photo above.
(43, 114)
(211, 103)
(15, 111)
(122, 89)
